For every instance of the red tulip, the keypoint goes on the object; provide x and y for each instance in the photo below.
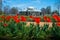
(3, 17)
(23, 18)
(7, 18)
(5, 25)
(37, 20)
(47, 19)
(31, 16)
(59, 19)
(1, 20)
(58, 23)
(15, 17)
(17, 20)
(55, 17)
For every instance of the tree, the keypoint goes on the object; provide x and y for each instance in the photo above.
(56, 12)
(6, 9)
(48, 10)
(43, 11)
(0, 6)
(14, 10)
(57, 5)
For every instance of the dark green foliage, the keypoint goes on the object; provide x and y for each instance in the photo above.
(20, 31)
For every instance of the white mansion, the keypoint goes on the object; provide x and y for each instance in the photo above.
(30, 11)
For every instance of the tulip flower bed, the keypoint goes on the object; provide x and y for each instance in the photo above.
(14, 28)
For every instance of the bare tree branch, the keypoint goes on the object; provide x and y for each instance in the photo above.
(0, 5)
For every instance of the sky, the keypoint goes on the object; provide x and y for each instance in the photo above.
(22, 4)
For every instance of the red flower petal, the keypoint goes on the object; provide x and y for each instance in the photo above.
(23, 18)
(5, 25)
(47, 19)
(58, 23)
(31, 16)
(37, 20)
